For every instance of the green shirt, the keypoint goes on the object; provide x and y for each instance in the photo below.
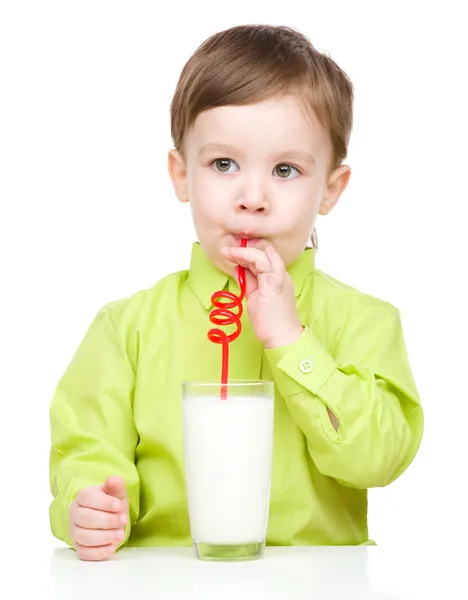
(117, 409)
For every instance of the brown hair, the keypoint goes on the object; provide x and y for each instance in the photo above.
(250, 63)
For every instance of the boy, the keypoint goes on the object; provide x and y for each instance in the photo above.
(260, 123)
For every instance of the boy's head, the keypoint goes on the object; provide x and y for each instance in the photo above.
(260, 122)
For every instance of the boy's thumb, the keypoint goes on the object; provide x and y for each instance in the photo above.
(115, 486)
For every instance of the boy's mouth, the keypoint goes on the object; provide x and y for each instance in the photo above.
(251, 239)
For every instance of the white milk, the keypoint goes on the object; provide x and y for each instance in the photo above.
(228, 448)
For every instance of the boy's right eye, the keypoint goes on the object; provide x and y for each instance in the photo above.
(223, 165)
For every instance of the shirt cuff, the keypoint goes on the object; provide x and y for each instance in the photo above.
(302, 366)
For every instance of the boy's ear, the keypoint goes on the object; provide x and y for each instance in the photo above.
(337, 183)
(178, 173)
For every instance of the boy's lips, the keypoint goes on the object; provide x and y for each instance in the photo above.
(251, 240)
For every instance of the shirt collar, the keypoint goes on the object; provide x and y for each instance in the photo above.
(205, 279)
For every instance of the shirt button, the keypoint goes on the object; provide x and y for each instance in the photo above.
(306, 365)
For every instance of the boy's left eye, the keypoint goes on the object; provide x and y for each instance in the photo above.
(284, 171)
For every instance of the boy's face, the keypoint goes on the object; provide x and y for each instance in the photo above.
(260, 171)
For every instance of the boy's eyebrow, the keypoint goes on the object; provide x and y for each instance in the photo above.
(305, 156)
(229, 148)
(218, 148)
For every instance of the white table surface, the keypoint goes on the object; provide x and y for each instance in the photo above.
(312, 573)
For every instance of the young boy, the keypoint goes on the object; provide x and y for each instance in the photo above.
(260, 123)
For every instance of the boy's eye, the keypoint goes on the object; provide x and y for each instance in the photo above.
(223, 165)
(284, 171)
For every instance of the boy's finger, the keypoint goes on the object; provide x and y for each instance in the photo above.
(275, 260)
(97, 537)
(90, 518)
(248, 257)
(96, 498)
(96, 553)
(115, 486)
(247, 254)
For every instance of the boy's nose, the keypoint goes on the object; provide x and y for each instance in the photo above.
(253, 200)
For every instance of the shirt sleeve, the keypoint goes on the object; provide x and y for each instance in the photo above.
(92, 429)
(367, 383)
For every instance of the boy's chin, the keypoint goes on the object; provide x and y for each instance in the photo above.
(224, 265)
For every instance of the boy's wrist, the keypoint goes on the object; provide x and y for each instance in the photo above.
(285, 338)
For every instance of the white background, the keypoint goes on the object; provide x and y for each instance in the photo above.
(88, 214)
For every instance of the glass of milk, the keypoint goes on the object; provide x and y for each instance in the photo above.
(228, 447)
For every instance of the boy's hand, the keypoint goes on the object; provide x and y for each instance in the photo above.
(97, 519)
(271, 301)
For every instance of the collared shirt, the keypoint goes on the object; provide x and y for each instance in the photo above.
(117, 409)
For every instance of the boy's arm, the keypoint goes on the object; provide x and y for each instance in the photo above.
(368, 385)
(93, 435)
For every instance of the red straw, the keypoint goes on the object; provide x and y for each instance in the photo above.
(223, 315)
